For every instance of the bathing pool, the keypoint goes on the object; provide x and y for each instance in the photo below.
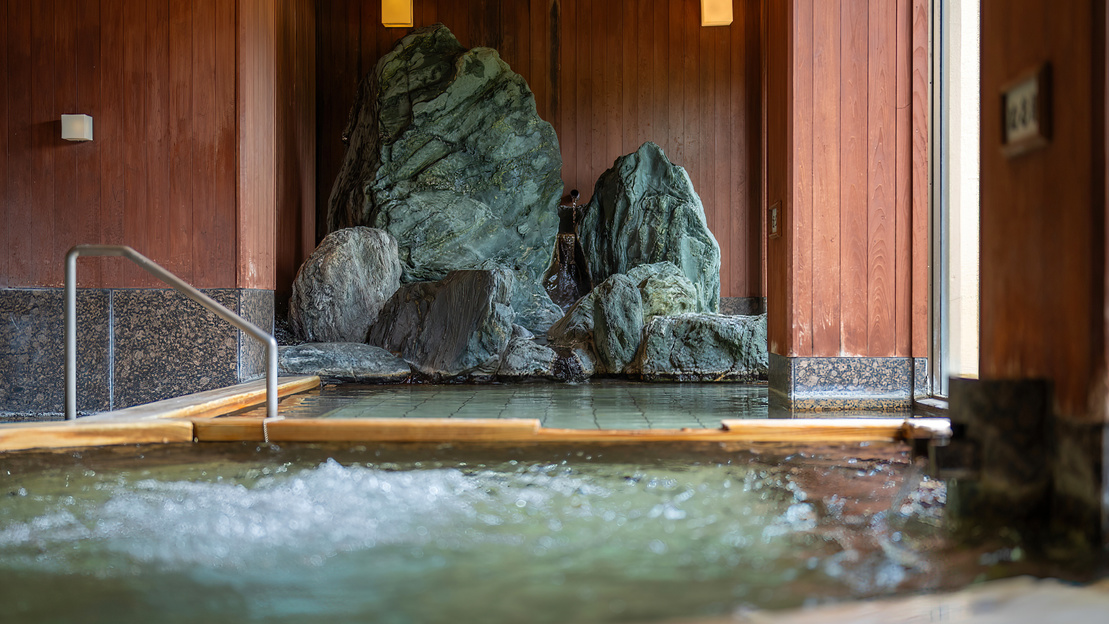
(240, 532)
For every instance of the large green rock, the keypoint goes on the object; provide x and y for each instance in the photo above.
(665, 290)
(447, 153)
(617, 322)
(703, 347)
(644, 210)
(456, 327)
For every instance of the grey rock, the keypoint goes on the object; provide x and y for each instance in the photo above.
(519, 331)
(533, 306)
(644, 210)
(447, 153)
(342, 286)
(575, 364)
(343, 361)
(664, 288)
(617, 322)
(455, 327)
(576, 327)
(525, 358)
(703, 347)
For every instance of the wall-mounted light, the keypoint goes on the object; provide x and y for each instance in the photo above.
(716, 12)
(76, 127)
(396, 13)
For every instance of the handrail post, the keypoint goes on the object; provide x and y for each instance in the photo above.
(71, 334)
(178, 284)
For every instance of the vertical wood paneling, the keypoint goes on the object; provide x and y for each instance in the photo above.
(157, 163)
(108, 131)
(1042, 236)
(853, 257)
(801, 213)
(87, 176)
(881, 146)
(779, 174)
(5, 88)
(903, 176)
(65, 101)
(44, 137)
(826, 178)
(159, 79)
(853, 168)
(140, 220)
(19, 206)
(295, 123)
(255, 87)
(921, 128)
(183, 146)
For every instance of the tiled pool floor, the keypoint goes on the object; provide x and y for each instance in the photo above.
(596, 405)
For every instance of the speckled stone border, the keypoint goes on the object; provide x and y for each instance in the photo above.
(134, 346)
(860, 384)
(744, 306)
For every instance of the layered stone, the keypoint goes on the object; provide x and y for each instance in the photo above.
(645, 210)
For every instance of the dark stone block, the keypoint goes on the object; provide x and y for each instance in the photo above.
(32, 351)
(167, 345)
(256, 306)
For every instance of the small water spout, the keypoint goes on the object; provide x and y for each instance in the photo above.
(567, 279)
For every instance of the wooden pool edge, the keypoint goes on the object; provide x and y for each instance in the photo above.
(200, 418)
(160, 422)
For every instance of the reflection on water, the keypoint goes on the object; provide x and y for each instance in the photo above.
(536, 535)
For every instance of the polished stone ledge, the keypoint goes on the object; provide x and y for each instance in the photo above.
(846, 383)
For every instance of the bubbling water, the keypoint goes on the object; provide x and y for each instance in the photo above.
(547, 541)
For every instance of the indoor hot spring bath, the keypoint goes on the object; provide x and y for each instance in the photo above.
(434, 533)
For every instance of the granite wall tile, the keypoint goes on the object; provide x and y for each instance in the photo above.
(32, 352)
(841, 383)
(167, 345)
(256, 306)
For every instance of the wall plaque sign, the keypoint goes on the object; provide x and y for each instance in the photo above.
(1026, 112)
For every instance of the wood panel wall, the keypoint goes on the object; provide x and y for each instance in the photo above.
(848, 275)
(295, 139)
(609, 76)
(182, 167)
(1043, 257)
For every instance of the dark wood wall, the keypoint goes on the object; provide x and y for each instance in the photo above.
(1043, 258)
(847, 163)
(183, 166)
(609, 76)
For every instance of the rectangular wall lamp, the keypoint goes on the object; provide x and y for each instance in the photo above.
(76, 127)
(716, 12)
(396, 13)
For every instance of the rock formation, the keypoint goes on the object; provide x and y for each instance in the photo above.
(703, 347)
(524, 358)
(644, 210)
(343, 361)
(617, 322)
(455, 327)
(340, 288)
(447, 153)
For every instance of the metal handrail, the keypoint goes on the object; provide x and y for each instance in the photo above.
(151, 267)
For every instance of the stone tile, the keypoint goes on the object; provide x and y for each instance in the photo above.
(166, 345)
(257, 307)
(841, 383)
(32, 351)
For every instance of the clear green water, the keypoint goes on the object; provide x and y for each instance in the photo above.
(239, 533)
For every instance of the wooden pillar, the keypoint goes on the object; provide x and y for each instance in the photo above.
(847, 131)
